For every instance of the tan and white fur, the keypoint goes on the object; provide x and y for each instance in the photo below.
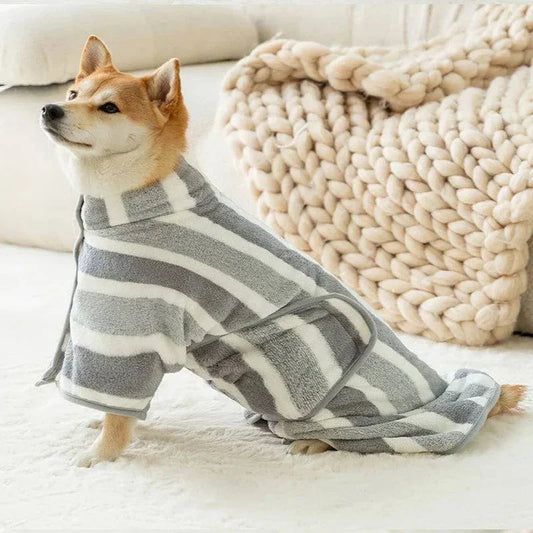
(128, 148)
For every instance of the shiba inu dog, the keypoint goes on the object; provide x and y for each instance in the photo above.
(170, 275)
(122, 132)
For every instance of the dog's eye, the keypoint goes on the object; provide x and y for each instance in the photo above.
(109, 108)
(72, 95)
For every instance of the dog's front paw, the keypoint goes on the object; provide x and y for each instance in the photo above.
(308, 447)
(87, 459)
(92, 457)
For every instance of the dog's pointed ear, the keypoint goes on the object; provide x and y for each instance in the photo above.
(95, 56)
(164, 85)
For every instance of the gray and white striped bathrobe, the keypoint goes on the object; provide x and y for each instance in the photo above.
(176, 276)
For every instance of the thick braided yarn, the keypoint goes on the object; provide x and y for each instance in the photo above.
(425, 211)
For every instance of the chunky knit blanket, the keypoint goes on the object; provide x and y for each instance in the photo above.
(406, 172)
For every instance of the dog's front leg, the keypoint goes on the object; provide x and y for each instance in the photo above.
(115, 435)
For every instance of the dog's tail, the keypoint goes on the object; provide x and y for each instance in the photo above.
(510, 397)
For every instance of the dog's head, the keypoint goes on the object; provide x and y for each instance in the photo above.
(108, 112)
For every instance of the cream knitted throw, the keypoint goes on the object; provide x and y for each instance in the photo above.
(425, 211)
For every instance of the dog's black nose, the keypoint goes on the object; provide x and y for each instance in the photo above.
(52, 112)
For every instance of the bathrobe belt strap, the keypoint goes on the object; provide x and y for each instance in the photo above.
(301, 305)
(57, 363)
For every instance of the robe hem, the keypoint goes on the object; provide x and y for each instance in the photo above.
(132, 413)
(474, 430)
(478, 425)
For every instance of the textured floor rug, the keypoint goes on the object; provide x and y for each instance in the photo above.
(196, 464)
(405, 172)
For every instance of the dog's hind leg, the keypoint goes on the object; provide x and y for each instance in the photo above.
(308, 447)
(116, 434)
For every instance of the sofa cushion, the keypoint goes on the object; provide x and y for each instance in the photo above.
(33, 53)
(331, 24)
(358, 23)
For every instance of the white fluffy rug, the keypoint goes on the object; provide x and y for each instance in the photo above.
(196, 464)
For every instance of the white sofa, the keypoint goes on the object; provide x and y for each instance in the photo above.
(35, 200)
(197, 465)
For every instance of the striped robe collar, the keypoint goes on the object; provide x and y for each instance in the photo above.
(179, 191)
